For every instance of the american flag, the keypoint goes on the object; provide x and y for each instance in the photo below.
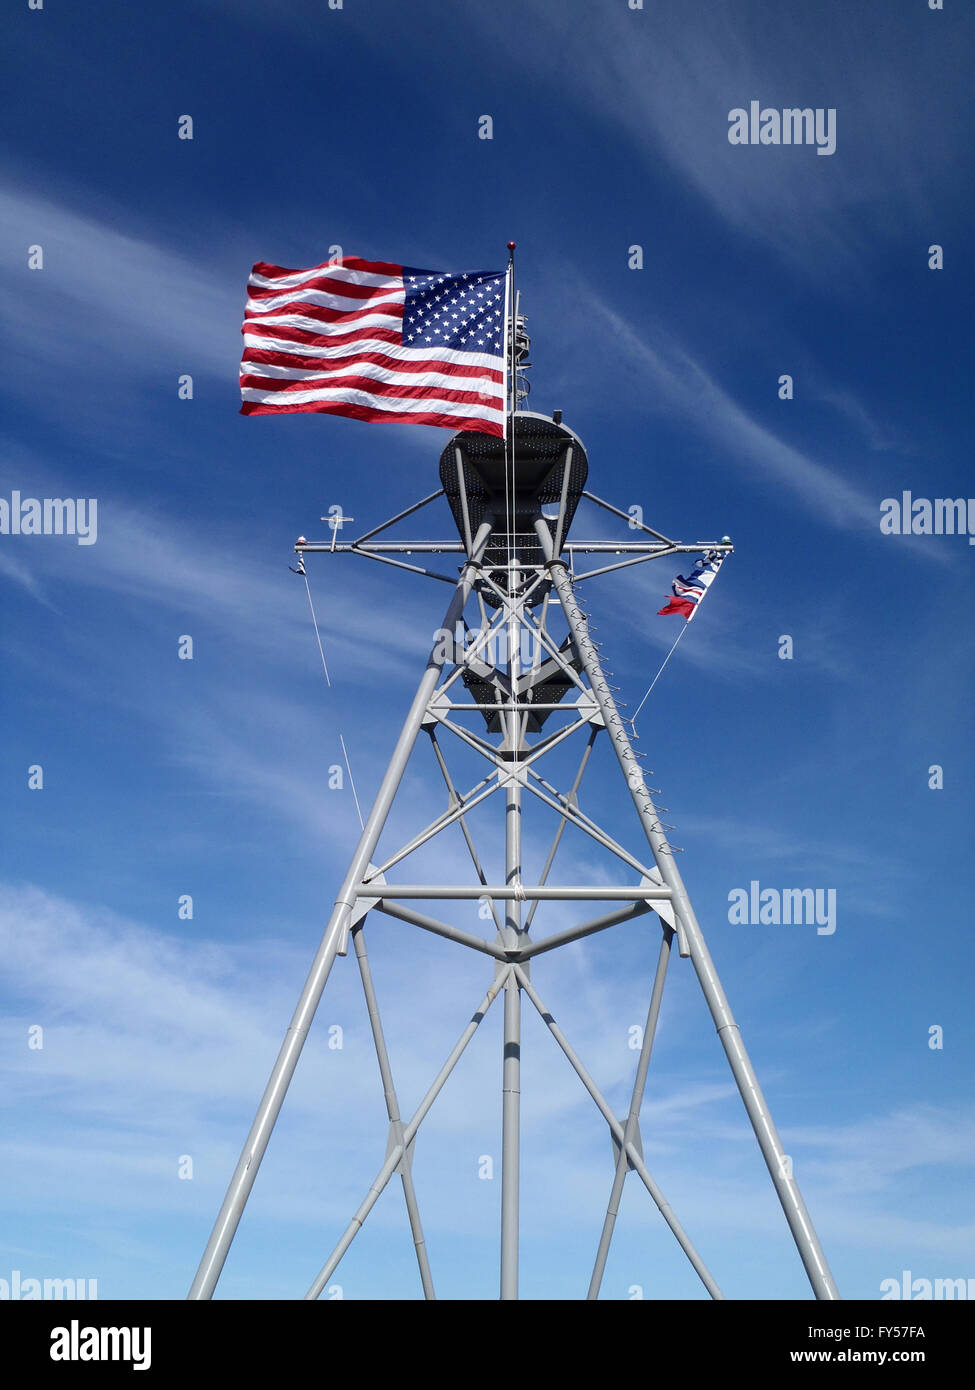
(378, 342)
(687, 593)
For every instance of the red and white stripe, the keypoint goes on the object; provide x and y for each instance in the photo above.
(330, 339)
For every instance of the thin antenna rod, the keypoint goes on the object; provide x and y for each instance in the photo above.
(509, 482)
(510, 329)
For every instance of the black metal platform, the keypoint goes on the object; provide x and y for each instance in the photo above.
(473, 468)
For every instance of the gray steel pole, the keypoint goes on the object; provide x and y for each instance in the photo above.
(511, 1059)
(573, 791)
(392, 1109)
(627, 1145)
(779, 1165)
(632, 1127)
(228, 1219)
(399, 1149)
(510, 1145)
(576, 893)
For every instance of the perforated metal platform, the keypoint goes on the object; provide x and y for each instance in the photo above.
(472, 469)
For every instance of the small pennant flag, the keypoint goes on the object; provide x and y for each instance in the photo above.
(687, 593)
(376, 341)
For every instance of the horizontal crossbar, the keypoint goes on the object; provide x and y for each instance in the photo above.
(596, 893)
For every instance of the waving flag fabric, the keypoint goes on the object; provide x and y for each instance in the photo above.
(378, 342)
(687, 593)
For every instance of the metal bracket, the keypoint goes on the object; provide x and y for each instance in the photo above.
(394, 1137)
(356, 913)
(636, 1139)
(513, 774)
(502, 965)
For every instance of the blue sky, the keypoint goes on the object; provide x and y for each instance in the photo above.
(358, 128)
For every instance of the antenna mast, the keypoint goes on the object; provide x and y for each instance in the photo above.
(516, 686)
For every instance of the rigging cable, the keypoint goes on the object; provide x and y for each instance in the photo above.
(328, 682)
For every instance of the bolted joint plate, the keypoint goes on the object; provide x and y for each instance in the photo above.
(357, 912)
(665, 911)
(637, 1141)
(394, 1137)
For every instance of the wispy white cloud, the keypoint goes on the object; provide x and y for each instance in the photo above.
(682, 388)
(668, 86)
(679, 380)
(157, 1045)
(106, 302)
(25, 577)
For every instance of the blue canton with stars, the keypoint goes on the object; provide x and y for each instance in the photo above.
(463, 313)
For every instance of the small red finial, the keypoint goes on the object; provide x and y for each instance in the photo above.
(512, 245)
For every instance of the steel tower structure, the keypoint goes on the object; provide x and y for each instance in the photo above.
(524, 678)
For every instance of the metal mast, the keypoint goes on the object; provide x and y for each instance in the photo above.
(520, 681)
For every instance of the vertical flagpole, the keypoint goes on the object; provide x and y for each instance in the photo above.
(509, 320)
(511, 1059)
(513, 932)
(509, 325)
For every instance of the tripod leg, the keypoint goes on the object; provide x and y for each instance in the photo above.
(399, 1149)
(392, 1107)
(807, 1242)
(228, 1219)
(633, 1119)
(628, 1148)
